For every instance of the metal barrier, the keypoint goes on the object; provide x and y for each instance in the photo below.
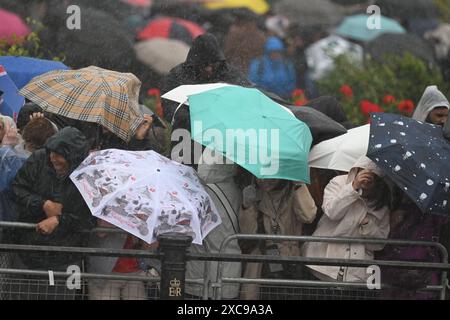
(443, 267)
(174, 267)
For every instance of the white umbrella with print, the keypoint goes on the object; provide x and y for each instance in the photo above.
(145, 194)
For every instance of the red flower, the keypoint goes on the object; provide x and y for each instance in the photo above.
(298, 93)
(388, 99)
(154, 92)
(346, 90)
(367, 107)
(406, 106)
(301, 102)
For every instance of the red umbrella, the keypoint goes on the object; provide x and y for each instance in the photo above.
(12, 27)
(173, 28)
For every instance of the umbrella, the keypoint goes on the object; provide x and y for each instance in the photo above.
(355, 27)
(161, 54)
(172, 28)
(309, 13)
(399, 44)
(342, 152)
(10, 100)
(253, 131)
(257, 6)
(145, 194)
(322, 127)
(408, 9)
(181, 93)
(320, 56)
(416, 157)
(12, 27)
(91, 94)
(23, 69)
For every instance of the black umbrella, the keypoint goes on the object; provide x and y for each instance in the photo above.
(322, 127)
(399, 44)
(415, 156)
(408, 9)
(102, 41)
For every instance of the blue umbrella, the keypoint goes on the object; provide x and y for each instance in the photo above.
(416, 157)
(23, 69)
(10, 100)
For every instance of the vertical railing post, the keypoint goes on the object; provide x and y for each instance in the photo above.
(173, 248)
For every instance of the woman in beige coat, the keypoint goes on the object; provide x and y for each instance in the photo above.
(356, 205)
(276, 207)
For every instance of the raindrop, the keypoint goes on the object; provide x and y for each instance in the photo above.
(423, 166)
(430, 182)
(397, 168)
(400, 123)
(423, 196)
(444, 203)
(378, 146)
(402, 134)
(393, 141)
(447, 185)
(381, 124)
(406, 188)
(377, 160)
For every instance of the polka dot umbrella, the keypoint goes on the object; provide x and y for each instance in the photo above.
(416, 157)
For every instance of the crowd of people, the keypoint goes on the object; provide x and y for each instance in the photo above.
(39, 151)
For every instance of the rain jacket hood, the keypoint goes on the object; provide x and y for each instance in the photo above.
(432, 98)
(205, 50)
(274, 44)
(364, 163)
(71, 144)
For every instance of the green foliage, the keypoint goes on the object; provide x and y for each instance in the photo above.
(444, 9)
(404, 78)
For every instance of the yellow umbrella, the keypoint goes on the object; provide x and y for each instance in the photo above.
(257, 6)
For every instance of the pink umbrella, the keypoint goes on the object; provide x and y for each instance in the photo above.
(12, 27)
(139, 3)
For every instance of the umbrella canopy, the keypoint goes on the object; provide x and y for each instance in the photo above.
(408, 9)
(309, 13)
(91, 94)
(12, 27)
(399, 44)
(322, 127)
(10, 100)
(342, 152)
(257, 6)
(171, 28)
(161, 54)
(23, 69)
(253, 131)
(355, 27)
(416, 157)
(145, 194)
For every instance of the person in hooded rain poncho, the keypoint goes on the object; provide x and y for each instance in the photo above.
(205, 63)
(274, 71)
(433, 107)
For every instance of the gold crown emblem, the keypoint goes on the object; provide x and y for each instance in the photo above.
(175, 283)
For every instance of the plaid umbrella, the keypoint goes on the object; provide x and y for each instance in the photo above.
(91, 94)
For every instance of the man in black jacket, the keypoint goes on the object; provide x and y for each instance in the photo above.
(45, 195)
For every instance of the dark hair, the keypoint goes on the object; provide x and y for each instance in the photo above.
(37, 131)
(24, 114)
(379, 195)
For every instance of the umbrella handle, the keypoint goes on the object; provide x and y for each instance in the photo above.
(176, 110)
